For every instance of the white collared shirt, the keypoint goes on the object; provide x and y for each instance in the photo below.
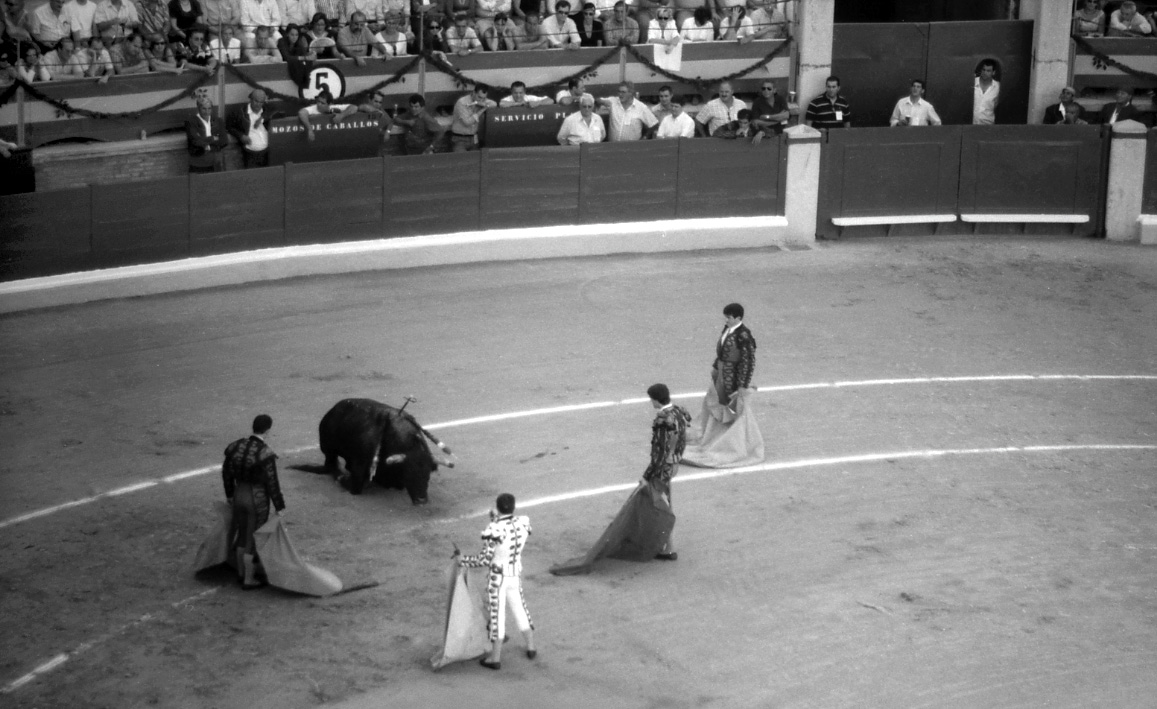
(258, 136)
(728, 332)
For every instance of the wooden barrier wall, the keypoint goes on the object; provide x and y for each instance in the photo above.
(953, 170)
(876, 63)
(46, 233)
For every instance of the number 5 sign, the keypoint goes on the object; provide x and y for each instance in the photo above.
(323, 77)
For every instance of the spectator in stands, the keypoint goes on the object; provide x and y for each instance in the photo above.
(619, 28)
(663, 109)
(394, 36)
(249, 124)
(583, 126)
(323, 105)
(400, 9)
(128, 57)
(434, 40)
(643, 11)
(13, 23)
(913, 110)
(335, 11)
(740, 129)
(685, 10)
(676, 124)
(197, 55)
(501, 36)
(226, 48)
(100, 66)
(317, 37)
(372, 9)
(985, 94)
(590, 27)
(719, 111)
(8, 71)
(355, 40)
(662, 30)
(1067, 111)
(559, 30)
(206, 138)
(262, 49)
(769, 111)
(256, 14)
(1089, 19)
(486, 10)
(449, 8)
(461, 39)
(574, 92)
(32, 67)
(532, 36)
(468, 113)
(631, 119)
(154, 16)
(698, 27)
(1127, 22)
(218, 13)
(82, 18)
(521, 8)
(518, 98)
(1122, 109)
(64, 62)
(115, 20)
(424, 131)
(292, 46)
(162, 58)
(184, 15)
(768, 20)
(49, 23)
(295, 12)
(736, 26)
(829, 109)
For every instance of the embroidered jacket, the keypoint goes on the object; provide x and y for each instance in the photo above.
(502, 544)
(735, 358)
(668, 439)
(249, 460)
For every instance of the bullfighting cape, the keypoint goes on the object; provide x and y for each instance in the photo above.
(725, 438)
(284, 567)
(465, 636)
(637, 533)
(215, 549)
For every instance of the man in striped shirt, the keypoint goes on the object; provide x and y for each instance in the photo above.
(829, 110)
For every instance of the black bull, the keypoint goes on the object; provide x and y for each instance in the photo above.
(365, 433)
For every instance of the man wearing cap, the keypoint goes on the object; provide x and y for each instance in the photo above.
(668, 440)
(206, 138)
(249, 124)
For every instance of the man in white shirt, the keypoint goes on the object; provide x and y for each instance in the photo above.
(295, 12)
(518, 98)
(226, 47)
(49, 24)
(574, 92)
(913, 110)
(630, 119)
(559, 29)
(113, 18)
(676, 124)
(1127, 22)
(82, 18)
(259, 13)
(582, 127)
(985, 95)
(249, 124)
(719, 111)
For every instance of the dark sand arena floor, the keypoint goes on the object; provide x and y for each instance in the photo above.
(1017, 570)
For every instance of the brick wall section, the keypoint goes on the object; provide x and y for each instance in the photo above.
(65, 166)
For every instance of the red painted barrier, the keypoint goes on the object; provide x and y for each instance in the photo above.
(628, 182)
(1149, 194)
(236, 211)
(529, 187)
(326, 202)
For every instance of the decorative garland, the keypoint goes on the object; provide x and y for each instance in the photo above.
(698, 82)
(465, 82)
(64, 106)
(358, 97)
(1103, 61)
(439, 63)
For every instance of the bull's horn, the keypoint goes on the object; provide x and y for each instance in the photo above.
(395, 458)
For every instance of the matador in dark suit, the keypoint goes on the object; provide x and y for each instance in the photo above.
(734, 357)
(250, 478)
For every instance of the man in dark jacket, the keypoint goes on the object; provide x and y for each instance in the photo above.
(207, 138)
(249, 124)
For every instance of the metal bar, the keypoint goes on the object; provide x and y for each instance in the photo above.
(20, 136)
